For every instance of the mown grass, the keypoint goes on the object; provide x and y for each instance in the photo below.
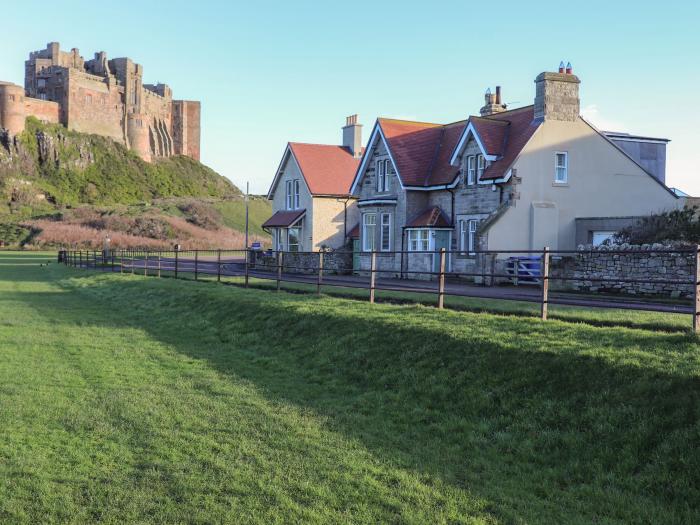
(126, 399)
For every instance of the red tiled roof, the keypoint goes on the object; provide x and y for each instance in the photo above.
(327, 170)
(430, 218)
(422, 150)
(355, 232)
(521, 127)
(283, 219)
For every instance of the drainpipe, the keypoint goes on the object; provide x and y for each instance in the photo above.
(403, 236)
(452, 206)
(345, 218)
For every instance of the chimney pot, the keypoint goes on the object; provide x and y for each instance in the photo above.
(561, 66)
(352, 135)
(569, 69)
(498, 95)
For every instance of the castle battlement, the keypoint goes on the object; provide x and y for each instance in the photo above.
(104, 97)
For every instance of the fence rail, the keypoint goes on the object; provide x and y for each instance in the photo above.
(246, 264)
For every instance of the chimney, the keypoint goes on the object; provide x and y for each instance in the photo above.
(352, 136)
(493, 103)
(556, 95)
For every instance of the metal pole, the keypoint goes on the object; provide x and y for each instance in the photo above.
(372, 281)
(218, 266)
(158, 264)
(545, 283)
(176, 259)
(145, 266)
(247, 189)
(441, 280)
(696, 292)
(320, 273)
(279, 270)
(196, 259)
(121, 263)
(133, 259)
(246, 268)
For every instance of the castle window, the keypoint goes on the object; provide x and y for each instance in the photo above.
(41, 83)
(88, 99)
(12, 98)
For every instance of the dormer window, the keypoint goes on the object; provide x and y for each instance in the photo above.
(383, 183)
(471, 170)
(481, 166)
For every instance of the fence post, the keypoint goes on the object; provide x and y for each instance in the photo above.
(441, 280)
(121, 261)
(545, 283)
(158, 264)
(320, 273)
(111, 254)
(696, 292)
(133, 258)
(372, 281)
(80, 259)
(176, 260)
(196, 262)
(279, 269)
(145, 266)
(246, 267)
(218, 266)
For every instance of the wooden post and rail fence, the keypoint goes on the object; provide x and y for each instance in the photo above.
(129, 259)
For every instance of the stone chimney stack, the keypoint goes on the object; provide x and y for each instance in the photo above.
(352, 136)
(493, 103)
(556, 95)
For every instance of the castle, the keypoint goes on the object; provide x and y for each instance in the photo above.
(104, 97)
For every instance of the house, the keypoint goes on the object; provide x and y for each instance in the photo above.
(311, 200)
(524, 179)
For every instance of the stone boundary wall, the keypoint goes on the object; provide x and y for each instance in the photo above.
(339, 262)
(612, 264)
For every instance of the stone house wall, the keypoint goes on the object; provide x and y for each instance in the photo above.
(338, 262)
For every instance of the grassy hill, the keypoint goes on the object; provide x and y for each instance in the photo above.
(70, 168)
(178, 401)
(64, 188)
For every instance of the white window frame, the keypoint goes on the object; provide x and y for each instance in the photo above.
(289, 199)
(558, 167)
(368, 241)
(296, 194)
(385, 222)
(480, 166)
(419, 240)
(382, 169)
(467, 236)
(289, 239)
(471, 170)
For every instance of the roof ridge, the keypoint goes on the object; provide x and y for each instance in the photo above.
(318, 144)
(409, 121)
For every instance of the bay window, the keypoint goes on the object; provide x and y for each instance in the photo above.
(369, 228)
(293, 239)
(418, 240)
(385, 233)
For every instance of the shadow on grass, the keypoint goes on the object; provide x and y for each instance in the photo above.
(593, 316)
(585, 421)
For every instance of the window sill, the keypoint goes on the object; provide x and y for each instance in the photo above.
(560, 184)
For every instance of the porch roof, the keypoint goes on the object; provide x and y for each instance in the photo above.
(284, 219)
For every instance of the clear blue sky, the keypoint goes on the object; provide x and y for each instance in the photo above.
(271, 72)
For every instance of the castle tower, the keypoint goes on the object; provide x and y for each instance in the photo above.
(137, 134)
(12, 114)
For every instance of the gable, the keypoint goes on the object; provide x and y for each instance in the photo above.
(287, 163)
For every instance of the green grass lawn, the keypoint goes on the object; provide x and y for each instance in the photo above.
(126, 399)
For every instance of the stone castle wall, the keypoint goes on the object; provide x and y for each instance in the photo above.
(103, 97)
